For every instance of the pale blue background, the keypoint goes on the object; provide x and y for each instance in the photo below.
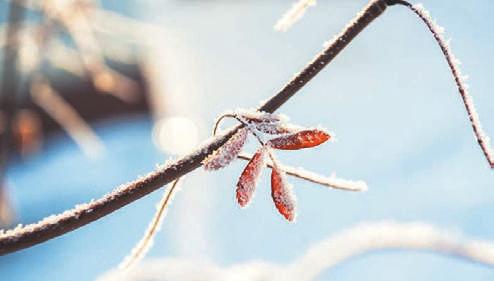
(389, 97)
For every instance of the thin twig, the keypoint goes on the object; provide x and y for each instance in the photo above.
(51, 227)
(370, 237)
(143, 246)
(453, 64)
(331, 182)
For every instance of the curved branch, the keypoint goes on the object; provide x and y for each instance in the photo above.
(371, 237)
(56, 225)
(453, 63)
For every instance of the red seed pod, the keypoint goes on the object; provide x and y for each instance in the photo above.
(300, 139)
(282, 195)
(248, 179)
(226, 153)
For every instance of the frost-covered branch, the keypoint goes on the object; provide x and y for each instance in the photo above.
(462, 86)
(370, 237)
(56, 225)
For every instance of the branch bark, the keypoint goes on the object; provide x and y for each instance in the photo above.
(56, 225)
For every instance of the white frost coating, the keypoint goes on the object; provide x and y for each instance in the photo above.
(331, 182)
(453, 63)
(142, 247)
(227, 152)
(293, 15)
(368, 237)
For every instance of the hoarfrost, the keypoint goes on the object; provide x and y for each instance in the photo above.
(453, 63)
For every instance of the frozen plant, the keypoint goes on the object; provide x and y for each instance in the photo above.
(56, 225)
(283, 136)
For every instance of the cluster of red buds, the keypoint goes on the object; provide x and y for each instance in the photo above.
(282, 136)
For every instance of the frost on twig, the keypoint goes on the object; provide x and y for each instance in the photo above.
(368, 237)
(295, 13)
(142, 247)
(57, 225)
(331, 182)
(453, 64)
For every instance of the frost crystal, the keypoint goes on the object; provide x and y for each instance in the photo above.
(250, 176)
(226, 153)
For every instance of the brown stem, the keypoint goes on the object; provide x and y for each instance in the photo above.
(54, 226)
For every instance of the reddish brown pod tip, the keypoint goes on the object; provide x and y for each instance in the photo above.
(300, 139)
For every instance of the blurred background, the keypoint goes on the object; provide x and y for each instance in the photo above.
(109, 89)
